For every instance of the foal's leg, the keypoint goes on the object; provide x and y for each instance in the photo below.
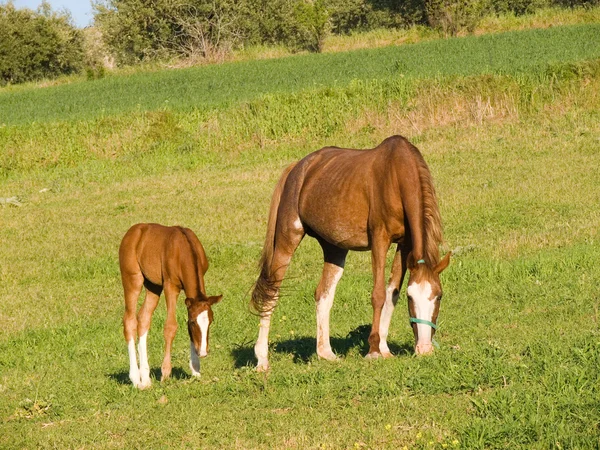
(379, 249)
(171, 293)
(286, 244)
(132, 286)
(144, 321)
(391, 298)
(324, 295)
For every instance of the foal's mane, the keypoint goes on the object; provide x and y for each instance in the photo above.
(432, 221)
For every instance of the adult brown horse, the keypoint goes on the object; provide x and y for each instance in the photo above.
(169, 258)
(357, 200)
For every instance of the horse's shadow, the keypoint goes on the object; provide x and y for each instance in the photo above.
(177, 373)
(302, 349)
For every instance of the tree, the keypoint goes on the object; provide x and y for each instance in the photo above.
(37, 44)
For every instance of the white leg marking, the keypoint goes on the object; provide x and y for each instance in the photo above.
(324, 305)
(194, 361)
(144, 365)
(386, 318)
(261, 349)
(203, 323)
(424, 307)
(134, 371)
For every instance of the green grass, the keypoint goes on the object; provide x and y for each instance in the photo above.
(514, 159)
(209, 87)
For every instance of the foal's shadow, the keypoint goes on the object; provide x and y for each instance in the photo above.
(302, 349)
(177, 373)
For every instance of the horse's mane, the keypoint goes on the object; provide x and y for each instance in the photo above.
(432, 221)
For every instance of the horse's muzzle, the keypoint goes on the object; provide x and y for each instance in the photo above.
(423, 349)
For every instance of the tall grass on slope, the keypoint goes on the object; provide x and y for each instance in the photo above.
(217, 86)
(401, 105)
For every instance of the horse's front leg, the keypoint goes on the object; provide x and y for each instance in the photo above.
(391, 298)
(378, 253)
(171, 293)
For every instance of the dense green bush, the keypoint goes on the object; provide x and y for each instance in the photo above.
(136, 30)
(452, 16)
(362, 15)
(37, 44)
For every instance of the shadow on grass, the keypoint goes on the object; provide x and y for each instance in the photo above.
(304, 348)
(177, 373)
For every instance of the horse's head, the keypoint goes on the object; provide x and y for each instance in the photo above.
(424, 297)
(200, 316)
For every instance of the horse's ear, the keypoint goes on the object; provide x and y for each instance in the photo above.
(188, 302)
(442, 264)
(215, 299)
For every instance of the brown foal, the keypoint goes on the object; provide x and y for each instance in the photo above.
(357, 200)
(170, 259)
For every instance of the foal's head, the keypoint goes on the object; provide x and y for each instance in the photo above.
(200, 316)
(424, 297)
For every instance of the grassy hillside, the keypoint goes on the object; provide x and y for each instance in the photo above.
(210, 87)
(513, 151)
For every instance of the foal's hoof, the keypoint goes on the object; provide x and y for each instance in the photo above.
(386, 355)
(145, 384)
(373, 355)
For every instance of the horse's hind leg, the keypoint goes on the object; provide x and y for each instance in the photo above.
(333, 269)
(132, 286)
(391, 298)
(144, 320)
(286, 244)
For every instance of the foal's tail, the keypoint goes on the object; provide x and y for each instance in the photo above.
(263, 291)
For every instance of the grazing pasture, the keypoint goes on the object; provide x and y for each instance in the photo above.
(514, 154)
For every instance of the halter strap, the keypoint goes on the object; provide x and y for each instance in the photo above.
(421, 261)
(426, 322)
(423, 321)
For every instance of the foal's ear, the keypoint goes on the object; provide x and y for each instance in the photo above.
(215, 299)
(442, 264)
(188, 302)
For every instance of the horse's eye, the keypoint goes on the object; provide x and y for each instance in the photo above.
(440, 298)
(410, 299)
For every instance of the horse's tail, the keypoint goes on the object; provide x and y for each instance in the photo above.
(263, 291)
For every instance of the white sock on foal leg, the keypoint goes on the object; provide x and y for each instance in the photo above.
(144, 365)
(134, 371)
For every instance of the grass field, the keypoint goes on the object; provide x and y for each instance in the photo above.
(514, 152)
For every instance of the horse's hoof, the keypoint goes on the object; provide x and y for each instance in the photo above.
(386, 355)
(262, 368)
(373, 355)
(329, 356)
(165, 375)
(144, 385)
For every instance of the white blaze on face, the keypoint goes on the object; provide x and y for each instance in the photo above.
(424, 308)
(203, 323)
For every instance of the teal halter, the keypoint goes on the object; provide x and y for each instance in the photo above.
(426, 322)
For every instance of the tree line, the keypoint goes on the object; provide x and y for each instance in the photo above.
(45, 43)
